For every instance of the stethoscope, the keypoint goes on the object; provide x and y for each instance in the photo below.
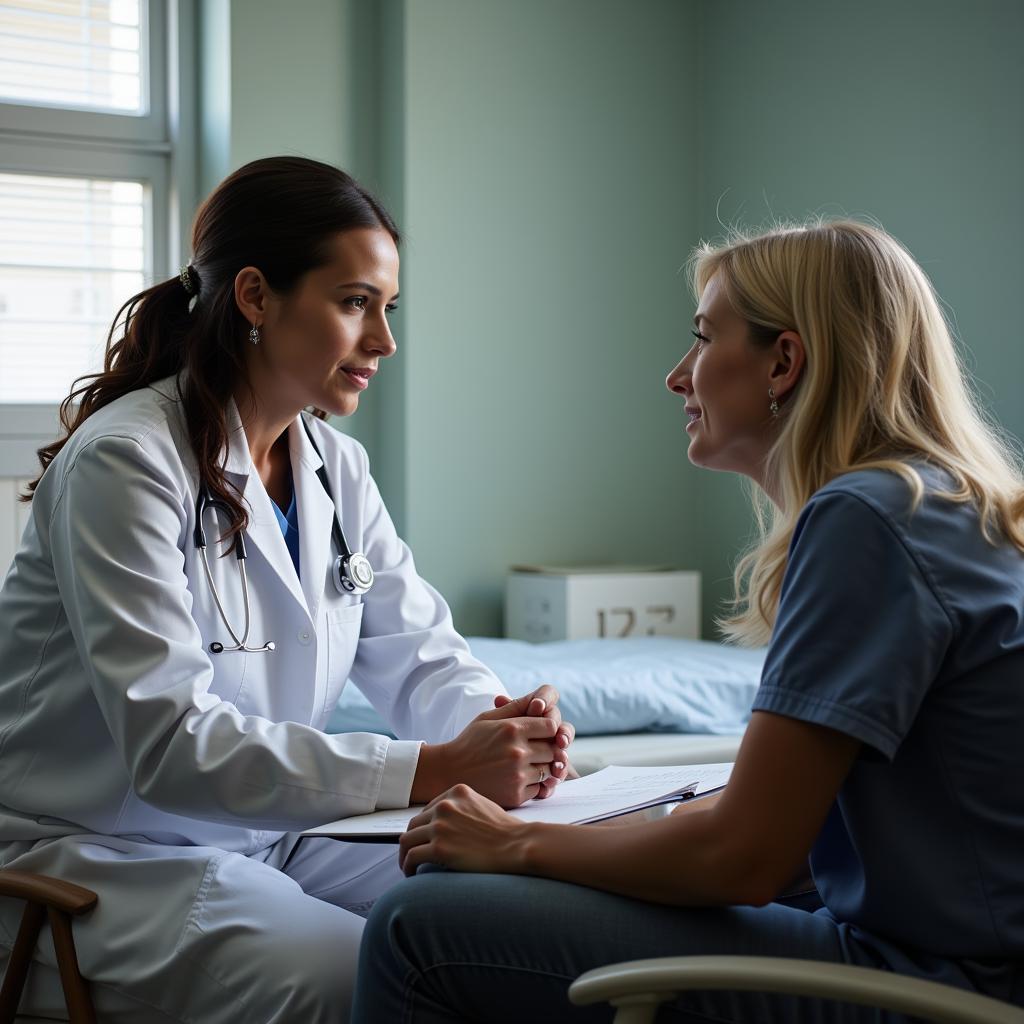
(352, 572)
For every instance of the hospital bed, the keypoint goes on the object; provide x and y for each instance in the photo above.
(633, 701)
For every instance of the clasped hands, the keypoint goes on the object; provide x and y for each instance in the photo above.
(517, 752)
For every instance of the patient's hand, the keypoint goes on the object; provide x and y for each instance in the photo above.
(463, 830)
(560, 769)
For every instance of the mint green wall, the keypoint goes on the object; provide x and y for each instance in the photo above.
(907, 112)
(274, 79)
(552, 164)
(548, 202)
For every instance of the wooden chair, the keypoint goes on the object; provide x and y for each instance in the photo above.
(638, 987)
(59, 901)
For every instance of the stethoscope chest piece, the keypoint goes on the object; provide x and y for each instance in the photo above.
(353, 573)
(216, 647)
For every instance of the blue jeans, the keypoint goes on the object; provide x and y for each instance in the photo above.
(445, 946)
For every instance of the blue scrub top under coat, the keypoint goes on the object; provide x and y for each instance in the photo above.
(289, 523)
(906, 631)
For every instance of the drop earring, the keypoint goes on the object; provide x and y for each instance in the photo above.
(254, 335)
(773, 408)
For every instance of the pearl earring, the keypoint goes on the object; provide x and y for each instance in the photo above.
(773, 407)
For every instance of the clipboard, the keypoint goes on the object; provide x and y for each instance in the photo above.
(609, 793)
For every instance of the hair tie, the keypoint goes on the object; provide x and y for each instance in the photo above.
(187, 278)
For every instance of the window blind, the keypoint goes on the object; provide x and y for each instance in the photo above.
(72, 250)
(80, 54)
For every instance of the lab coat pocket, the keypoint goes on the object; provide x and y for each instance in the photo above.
(342, 639)
(229, 672)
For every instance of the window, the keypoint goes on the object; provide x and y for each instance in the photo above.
(62, 53)
(94, 143)
(72, 250)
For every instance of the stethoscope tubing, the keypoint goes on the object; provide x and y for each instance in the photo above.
(203, 503)
(352, 571)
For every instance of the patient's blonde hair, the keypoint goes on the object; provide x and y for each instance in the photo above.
(882, 384)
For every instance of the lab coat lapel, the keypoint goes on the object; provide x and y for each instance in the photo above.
(263, 537)
(316, 517)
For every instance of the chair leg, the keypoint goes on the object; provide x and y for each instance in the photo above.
(640, 1008)
(76, 989)
(21, 959)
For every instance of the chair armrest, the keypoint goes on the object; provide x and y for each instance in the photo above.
(667, 976)
(50, 892)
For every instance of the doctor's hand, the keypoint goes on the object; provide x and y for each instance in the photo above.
(462, 829)
(506, 754)
(540, 703)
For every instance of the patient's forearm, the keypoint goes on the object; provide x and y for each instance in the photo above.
(741, 849)
(681, 859)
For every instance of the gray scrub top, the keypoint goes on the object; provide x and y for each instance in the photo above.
(906, 631)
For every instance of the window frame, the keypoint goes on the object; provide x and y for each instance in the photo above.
(157, 149)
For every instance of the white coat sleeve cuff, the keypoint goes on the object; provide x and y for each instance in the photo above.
(400, 762)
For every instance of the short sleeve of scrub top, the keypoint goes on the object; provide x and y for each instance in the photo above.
(860, 633)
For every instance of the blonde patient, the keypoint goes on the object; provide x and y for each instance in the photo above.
(888, 582)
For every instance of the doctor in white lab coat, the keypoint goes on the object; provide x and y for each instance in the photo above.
(171, 777)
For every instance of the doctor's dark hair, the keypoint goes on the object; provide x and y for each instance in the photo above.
(278, 214)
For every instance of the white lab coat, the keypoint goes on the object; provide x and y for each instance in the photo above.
(117, 722)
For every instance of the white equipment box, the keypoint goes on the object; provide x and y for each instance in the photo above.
(569, 603)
